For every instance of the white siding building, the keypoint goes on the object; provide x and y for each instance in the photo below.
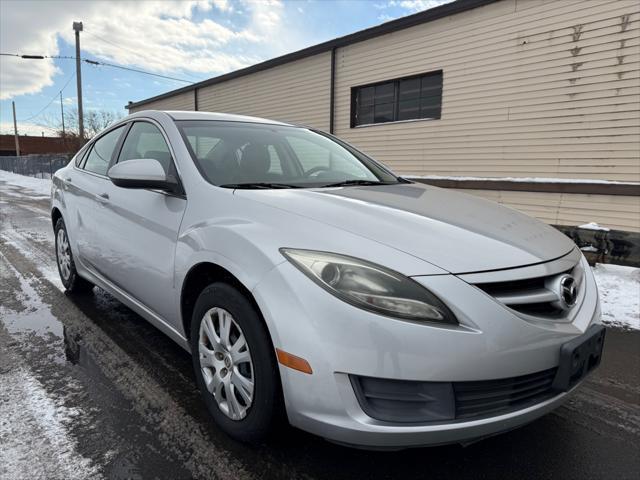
(494, 89)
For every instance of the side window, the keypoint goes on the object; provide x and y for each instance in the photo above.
(202, 145)
(276, 162)
(100, 155)
(309, 154)
(314, 156)
(144, 140)
(80, 157)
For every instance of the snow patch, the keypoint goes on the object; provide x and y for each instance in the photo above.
(45, 260)
(619, 289)
(524, 179)
(34, 186)
(594, 226)
(35, 441)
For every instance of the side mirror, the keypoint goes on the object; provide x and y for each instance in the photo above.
(142, 173)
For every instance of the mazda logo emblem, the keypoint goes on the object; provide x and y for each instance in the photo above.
(568, 290)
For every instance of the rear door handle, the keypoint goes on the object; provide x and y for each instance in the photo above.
(104, 195)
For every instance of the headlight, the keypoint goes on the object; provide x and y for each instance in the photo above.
(369, 286)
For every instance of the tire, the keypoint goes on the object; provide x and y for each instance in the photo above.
(72, 282)
(264, 411)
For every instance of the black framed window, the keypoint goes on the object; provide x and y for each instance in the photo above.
(145, 140)
(81, 155)
(99, 157)
(409, 98)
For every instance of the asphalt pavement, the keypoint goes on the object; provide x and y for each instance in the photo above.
(133, 410)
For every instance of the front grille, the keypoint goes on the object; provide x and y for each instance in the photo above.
(484, 398)
(533, 296)
(401, 401)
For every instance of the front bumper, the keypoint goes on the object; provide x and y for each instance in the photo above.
(339, 340)
(359, 430)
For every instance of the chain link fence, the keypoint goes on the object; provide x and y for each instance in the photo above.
(39, 166)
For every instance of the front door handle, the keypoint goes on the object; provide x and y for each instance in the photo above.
(105, 196)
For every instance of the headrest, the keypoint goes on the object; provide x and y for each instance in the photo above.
(255, 162)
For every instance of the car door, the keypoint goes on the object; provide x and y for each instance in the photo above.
(84, 187)
(139, 229)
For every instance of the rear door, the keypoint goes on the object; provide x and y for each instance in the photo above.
(140, 227)
(86, 187)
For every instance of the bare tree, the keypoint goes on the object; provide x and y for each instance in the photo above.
(94, 122)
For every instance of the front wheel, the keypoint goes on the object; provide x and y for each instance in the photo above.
(234, 363)
(72, 282)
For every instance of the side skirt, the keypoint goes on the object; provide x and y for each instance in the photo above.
(135, 305)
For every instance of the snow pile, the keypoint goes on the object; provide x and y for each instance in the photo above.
(32, 186)
(619, 289)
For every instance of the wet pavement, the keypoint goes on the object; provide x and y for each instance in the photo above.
(131, 408)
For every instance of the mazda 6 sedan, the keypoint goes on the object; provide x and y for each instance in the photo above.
(310, 283)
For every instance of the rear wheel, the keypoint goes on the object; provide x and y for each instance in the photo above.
(234, 363)
(72, 282)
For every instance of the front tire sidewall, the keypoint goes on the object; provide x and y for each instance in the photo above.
(264, 411)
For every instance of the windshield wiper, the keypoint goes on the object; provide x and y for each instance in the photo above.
(252, 185)
(346, 183)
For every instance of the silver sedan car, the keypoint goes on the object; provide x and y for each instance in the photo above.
(311, 283)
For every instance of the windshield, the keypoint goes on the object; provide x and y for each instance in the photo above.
(254, 155)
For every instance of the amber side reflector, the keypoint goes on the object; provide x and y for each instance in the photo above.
(291, 361)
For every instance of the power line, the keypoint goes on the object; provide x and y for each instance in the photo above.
(34, 57)
(88, 61)
(96, 62)
(51, 101)
(124, 49)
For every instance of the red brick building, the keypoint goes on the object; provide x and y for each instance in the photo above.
(30, 145)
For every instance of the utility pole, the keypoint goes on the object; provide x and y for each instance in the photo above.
(62, 115)
(15, 129)
(77, 27)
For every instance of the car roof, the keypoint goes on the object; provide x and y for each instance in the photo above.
(191, 115)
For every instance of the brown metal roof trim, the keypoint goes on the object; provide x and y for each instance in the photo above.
(589, 188)
(419, 18)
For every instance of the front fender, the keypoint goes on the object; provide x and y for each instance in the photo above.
(225, 247)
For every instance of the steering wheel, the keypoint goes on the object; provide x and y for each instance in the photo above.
(315, 170)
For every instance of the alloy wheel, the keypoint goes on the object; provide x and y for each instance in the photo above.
(226, 364)
(64, 254)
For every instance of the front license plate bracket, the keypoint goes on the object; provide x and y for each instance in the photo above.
(578, 357)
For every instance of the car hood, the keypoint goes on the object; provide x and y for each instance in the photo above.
(457, 232)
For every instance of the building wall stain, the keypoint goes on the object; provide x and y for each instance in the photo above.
(624, 22)
(577, 31)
